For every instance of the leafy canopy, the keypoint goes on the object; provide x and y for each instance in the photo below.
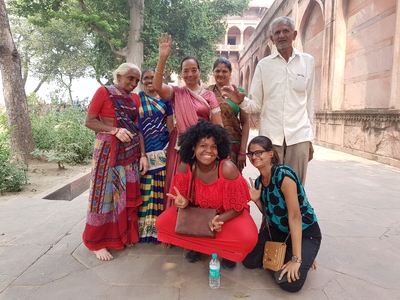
(195, 26)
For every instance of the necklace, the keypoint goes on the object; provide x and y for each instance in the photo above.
(196, 92)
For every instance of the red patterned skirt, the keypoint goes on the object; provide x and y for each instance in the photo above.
(114, 200)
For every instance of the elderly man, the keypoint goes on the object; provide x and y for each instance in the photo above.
(283, 91)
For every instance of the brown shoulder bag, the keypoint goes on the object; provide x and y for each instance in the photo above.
(274, 252)
(192, 220)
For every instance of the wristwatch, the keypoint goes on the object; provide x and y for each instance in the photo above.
(296, 259)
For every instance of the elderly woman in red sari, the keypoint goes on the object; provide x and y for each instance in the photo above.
(119, 158)
(190, 103)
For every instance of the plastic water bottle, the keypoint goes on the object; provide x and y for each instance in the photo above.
(214, 280)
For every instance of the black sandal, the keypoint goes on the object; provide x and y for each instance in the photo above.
(228, 264)
(192, 256)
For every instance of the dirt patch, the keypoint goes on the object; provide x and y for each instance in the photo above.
(44, 177)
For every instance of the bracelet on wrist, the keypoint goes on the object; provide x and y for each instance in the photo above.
(143, 155)
(158, 72)
(115, 131)
(242, 153)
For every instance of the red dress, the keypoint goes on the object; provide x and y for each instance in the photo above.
(238, 236)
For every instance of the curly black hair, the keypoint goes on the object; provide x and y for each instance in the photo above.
(195, 133)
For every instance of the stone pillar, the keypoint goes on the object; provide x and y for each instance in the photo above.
(226, 38)
(332, 91)
(241, 37)
(395, 84)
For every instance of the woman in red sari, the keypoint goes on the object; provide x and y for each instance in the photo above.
(217, 184)
(119, 157)
(190, 104)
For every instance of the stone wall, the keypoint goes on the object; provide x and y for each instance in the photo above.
(370, 134)
(356, 47)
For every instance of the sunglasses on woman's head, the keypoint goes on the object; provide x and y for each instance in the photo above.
(256, 153)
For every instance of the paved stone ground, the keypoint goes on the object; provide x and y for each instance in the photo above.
(356, 200)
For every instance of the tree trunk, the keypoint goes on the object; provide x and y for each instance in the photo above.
(135, 45)
(22, 142)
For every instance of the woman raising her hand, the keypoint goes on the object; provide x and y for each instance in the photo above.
(191, 103)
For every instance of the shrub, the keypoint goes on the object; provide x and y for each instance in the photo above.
(12, 174)
(62, 137)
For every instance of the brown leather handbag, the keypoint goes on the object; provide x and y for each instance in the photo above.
(192, 220)
(274, 253)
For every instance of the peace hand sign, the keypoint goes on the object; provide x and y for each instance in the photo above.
(255, 194)
(180, 201)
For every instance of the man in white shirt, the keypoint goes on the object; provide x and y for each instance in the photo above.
(282, 91)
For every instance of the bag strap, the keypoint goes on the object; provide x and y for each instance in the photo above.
(192, 184)
(269, 231)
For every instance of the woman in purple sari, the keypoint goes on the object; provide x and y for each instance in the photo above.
(191, 103)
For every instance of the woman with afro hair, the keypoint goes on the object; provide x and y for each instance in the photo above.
(204, 150)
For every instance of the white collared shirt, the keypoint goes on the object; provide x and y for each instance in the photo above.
(283, 93)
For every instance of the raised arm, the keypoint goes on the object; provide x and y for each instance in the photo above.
(164, 50)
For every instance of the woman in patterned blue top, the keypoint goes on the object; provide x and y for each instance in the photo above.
(281, 198)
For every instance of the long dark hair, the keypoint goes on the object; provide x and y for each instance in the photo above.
(266, 143)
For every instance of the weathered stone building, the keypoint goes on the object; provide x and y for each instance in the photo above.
(238, 32)
(356, 46)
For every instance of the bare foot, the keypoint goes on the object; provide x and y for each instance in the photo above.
(166, 246)
(314, 265)
(103, 254)
(129, 245)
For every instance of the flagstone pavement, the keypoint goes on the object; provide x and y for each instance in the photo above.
(357, 202)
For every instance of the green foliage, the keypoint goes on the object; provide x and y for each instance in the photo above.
(55, 51)
(195, 26)
(61, 137)
(12, 173)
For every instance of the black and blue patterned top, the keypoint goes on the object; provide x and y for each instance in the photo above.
(274, 203)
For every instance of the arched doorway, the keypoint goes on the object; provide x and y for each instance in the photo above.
(247, 79)
(267, 51)
(233, 36)
(255, 65)
(247, 34)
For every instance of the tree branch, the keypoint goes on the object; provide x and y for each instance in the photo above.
(43, 80)
(95, 28)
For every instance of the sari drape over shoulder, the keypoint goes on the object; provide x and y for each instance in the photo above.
(190, 107)
(114, 196)
(230, 118)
